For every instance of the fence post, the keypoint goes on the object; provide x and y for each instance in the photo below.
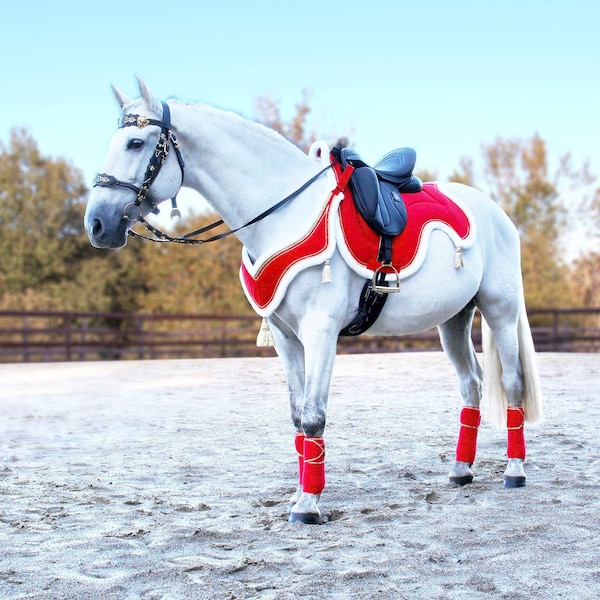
(223, 338)
(555, 342)
(67, 329)
(25, 338)
(139, 336)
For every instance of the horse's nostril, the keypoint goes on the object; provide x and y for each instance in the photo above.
(97, 227)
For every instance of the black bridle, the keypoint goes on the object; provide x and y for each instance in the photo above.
(157, 159)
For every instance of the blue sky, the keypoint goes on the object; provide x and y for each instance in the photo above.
(440, 76)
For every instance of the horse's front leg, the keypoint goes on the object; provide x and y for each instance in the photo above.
(309, 413)
(319, 357)
(291, 353)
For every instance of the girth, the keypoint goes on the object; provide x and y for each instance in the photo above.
(370, 305)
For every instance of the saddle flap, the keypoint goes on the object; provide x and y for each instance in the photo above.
(379, 202)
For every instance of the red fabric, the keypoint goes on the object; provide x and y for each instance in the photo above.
(426, 206)
(263, 286)
(299, 441)
(466, 448)
(515, 418)
(313, 478)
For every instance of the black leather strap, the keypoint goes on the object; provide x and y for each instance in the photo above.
(369, 308)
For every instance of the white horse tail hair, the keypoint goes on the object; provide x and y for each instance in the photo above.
(494, 398)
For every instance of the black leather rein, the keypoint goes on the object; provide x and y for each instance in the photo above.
(187, 238)
(156, 161)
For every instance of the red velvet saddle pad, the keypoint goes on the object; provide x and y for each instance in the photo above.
(427, 207)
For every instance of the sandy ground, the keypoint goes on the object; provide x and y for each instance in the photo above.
(170, 480)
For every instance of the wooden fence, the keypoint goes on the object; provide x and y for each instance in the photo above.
(78, 336)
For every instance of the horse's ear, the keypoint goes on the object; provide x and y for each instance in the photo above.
(148, 97)
(123, 99)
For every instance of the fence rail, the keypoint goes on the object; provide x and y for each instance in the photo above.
(78, 336)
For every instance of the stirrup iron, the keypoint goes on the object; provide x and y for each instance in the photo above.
(376, 284)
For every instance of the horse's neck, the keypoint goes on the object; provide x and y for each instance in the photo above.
(242, 168)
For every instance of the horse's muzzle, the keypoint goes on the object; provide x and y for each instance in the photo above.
(104, 234)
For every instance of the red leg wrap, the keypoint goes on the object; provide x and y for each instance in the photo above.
(515, 417)
(313, 478)
(300, 450)
(470, 418)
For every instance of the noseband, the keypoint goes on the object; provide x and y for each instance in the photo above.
(157, 160)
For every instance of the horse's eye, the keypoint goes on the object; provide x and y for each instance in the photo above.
(135, 144)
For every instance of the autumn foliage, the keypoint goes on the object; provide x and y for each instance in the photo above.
(47, 262)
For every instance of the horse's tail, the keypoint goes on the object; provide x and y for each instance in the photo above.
(494, 398)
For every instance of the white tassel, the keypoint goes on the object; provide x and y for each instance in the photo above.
(458, 261)
(326, 275)
(265, 337)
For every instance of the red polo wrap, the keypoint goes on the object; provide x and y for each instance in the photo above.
(313, 477)
(470, 417)
(299, 441)
(515, 417)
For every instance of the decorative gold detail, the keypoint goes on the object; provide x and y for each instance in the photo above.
(142, 121)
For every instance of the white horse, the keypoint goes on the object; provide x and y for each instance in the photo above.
(243, 169)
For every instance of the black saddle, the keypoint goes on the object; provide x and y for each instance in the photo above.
(378, 197)
(378, 190)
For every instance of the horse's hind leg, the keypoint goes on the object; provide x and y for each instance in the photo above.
(455, 336)
(505, 344)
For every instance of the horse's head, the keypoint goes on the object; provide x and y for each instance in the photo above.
(139, 170)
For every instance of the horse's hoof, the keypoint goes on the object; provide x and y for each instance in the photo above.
(306, 518)
(462, 480)
(511, 481)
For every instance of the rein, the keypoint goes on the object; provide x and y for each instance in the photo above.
(156, 161)
(187, 238)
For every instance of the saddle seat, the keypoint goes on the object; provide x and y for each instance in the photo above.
(378, 190)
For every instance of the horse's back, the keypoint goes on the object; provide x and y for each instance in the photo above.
(492, 222)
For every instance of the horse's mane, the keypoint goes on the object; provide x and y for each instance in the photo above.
(236, 119)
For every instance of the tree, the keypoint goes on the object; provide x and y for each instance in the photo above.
(268, 112)
(47, 261)
(194, 278)
(586, 279)
(40, 205)
(517, 176)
